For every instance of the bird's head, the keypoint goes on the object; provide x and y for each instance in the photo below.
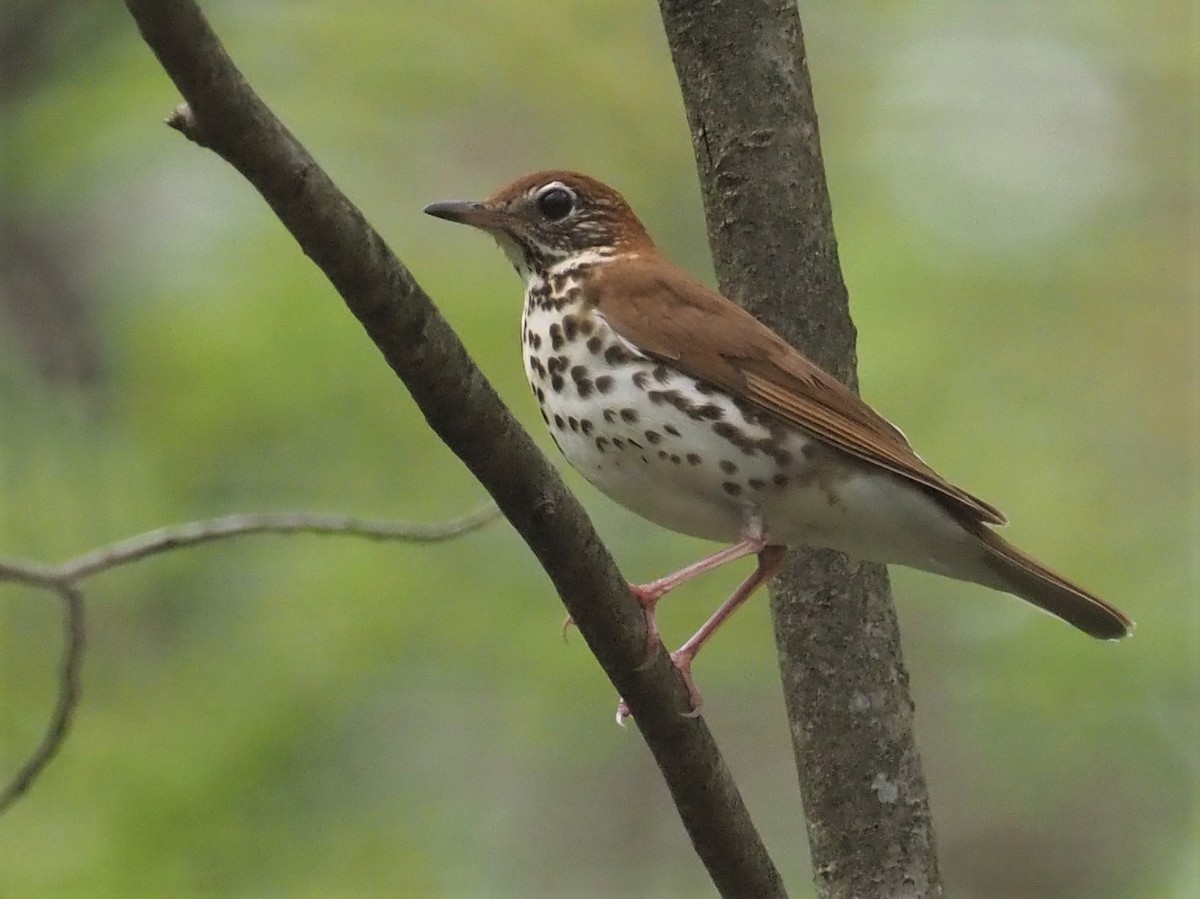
(549, 218)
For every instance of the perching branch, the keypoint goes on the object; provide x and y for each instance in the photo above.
(224, 114)
(63, 579)
(745, 81)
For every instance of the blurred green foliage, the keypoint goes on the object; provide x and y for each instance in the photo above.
(1015, 191)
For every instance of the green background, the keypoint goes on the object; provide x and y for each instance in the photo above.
(1015, 193)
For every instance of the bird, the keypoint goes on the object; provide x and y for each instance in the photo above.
(683, 407)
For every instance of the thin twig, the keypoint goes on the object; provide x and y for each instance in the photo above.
(196, 532)
(64, 578)
(69, 690)
(191, 533)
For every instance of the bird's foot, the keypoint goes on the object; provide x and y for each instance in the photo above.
(648, 598)
(682, 660)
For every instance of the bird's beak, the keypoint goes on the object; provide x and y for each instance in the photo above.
(478, 215)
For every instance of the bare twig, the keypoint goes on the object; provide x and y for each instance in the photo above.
(196, 532)
(69, 691)
(63, 579)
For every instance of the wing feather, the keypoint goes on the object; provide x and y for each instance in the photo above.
(670, 316)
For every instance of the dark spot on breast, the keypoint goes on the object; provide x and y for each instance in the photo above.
(536, 341)
(662, 374)
(731, 433)
(704, 388)
(573, 423)
(616, 354)
(731, 488)
(672, 430)
(635, 443)
(610, 416)
(618, 443)
(583, 383)
(558, 422)
(780, 480)
(757, 483)
(728, 467)
(693, 459)
(641, 379)
(654, 437)
(662, 454)
(556, 336)
(570, 325)
(781, 456)
(541, 395)
(629, 416)
(604, 383)
(601, 443)
(556, 383)
(586, 426)
(707, 412)
(595, 344)
(675, 458)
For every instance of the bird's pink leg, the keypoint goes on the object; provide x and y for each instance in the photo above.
(649, 594)
(770, 558)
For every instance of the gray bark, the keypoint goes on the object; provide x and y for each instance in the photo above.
(745, 81)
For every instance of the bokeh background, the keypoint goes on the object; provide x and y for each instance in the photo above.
(1015, 192)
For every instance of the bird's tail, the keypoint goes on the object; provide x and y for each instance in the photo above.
(1009, 569)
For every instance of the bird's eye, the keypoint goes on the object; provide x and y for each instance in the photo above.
(555, 202)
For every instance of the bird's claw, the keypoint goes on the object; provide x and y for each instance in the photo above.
(622, 712)
(648, 598)
(683, 664)
(653, 641)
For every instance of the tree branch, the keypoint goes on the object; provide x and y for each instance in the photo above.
(195, 532)
(749, 102)
(225, 115)
(69, 691)
(63, 579)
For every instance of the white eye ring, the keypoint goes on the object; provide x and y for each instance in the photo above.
(555, 201)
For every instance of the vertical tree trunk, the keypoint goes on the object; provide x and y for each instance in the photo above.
(744, 75)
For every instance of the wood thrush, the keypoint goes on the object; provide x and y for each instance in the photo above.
(684, 408)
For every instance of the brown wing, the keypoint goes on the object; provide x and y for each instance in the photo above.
(667, 314)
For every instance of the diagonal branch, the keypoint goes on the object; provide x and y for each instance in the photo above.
(224, 114)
